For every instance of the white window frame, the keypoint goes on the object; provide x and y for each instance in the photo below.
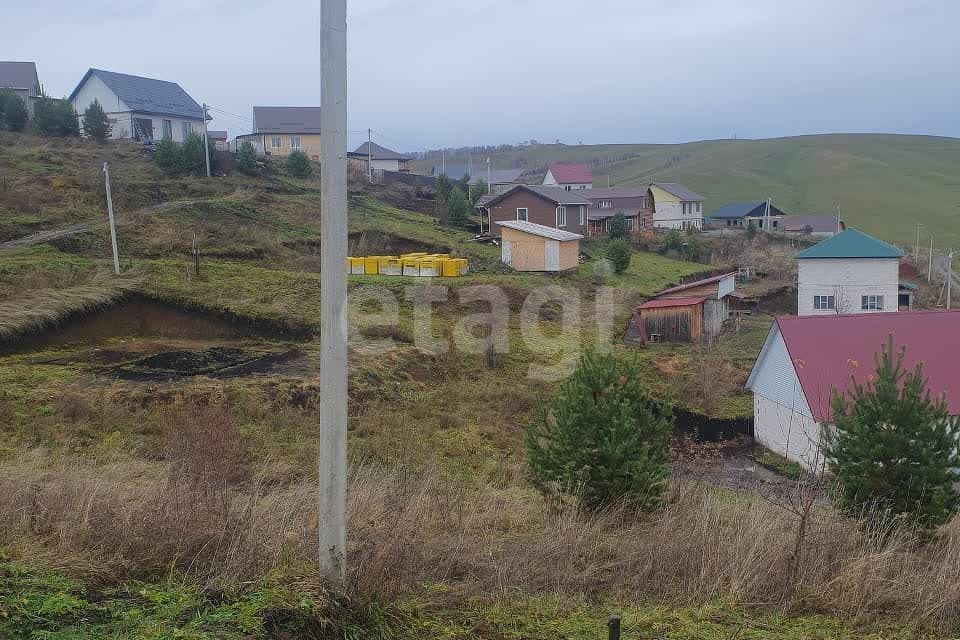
(526, 214)
(186, 128)
(561, 216)
(167, 129)
(871, 303)
(583, 215)
(295, 143)
(606, 204)
(698, 207)
(824, 303)
(276, 142)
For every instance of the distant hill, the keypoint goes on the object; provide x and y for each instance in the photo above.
(883, 183)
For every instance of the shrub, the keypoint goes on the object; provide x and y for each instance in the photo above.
(191, 161)
(442, 186)
(298, 164)
(247, 159)
(167, 156)
(619, 252)
(894, 449)
(605, 439)
(13, 113)
(673, 241)
(751, 230)
(458, 208)
(53, 117)
(96, 125)
(617, 227)
(478, 191)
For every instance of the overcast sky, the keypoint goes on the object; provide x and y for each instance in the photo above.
(438, 73)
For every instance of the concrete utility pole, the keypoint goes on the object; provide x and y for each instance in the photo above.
(917, 254)
(930, 266)
(206, 145)
(113, 226)
(370, 155)
(333, 290)
(949, 276)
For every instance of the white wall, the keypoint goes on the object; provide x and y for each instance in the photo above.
(117, 111)
(550, 181)
(670, 215)
(848, 280)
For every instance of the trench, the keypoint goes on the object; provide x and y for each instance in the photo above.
(703, 428)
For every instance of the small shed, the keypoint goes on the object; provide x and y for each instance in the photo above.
(688, 312)
(527, 246)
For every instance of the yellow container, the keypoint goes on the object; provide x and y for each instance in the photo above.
(394, 267)
(450, 268)
(463, 265)
(411, 266)
(413, 255)
(355, 266)
(429, 268)
(383, 264)
(370, 266)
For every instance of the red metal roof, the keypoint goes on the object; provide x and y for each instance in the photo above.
(671, 302)
(571, 173)
(828, 352)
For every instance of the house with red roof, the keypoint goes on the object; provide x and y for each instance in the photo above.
(806, 358)
(686, 313)
(569, 175)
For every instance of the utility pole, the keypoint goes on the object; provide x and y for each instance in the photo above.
(370, 155)
(917, 254)
(949, 276)
(443, 163)
(113, 225)
(930, 266)
(766, 216)
(206, 146)
(333, 290)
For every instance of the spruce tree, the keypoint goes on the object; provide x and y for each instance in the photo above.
(247, 159)
(95, 122)
(458, 207)
(298, 164)
(13, 113)
(617, 227)
(619, 254)
(167, 156)
(604, 439)
(894, 448)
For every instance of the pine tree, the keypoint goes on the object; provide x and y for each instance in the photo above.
(619, 253)
(604, 439)
(617, 227)
(247, 159)
(167, 156)
(191, 158)
(442, 186)
(95, 122)
(894, 448)
(458, 208)
(53, 117)
(13, 113)
(298, 164)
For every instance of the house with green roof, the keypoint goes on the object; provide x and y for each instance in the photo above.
(848, 273)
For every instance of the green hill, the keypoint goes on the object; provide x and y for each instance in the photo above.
(884, 184)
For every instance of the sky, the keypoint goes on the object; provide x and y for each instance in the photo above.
(426, 74)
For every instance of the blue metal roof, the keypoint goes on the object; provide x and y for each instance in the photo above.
(736, 210)
(146, 95)
(850, 244)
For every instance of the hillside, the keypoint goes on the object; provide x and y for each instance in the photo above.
(885, 184)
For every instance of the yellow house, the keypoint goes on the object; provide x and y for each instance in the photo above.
(278, 131)
(675, 206)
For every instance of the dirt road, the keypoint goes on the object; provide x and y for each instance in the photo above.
(45, 236)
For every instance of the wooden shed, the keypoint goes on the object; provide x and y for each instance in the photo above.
(686, 313)
(527, 246)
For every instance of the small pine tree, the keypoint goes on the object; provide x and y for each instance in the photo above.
(673, 241)
(442, 186)
(298, 164)
(894, 449)
(53, 117)
(478, 191)
(96, 125)
(247, 159)
(167, 156)
(751, 230)
(619, 253)
(604, 439)
(191, 158)
(458, 208)
(13, 113)
(617, 227)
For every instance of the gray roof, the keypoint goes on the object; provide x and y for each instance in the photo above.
(379, 153)
(216, 135)
(615, 192)
(286, 119)
(145, 95)
(557, 195)
(680, 191)
(497, 176)
(818, 223)
(595, 213)
(19, 75)
(454, 171)
(540, 230)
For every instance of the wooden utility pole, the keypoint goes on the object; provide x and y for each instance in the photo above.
(113, 225)
(333, 290)
(206, 145)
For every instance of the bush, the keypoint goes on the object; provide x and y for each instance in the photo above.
(673, 241)
(247, 159)
(53, 117)
(298, 164)
(894, 449)
(96, 125)
(619, 253)
(191, 159)
(442, 186)
(167, 156)
(617, 227)
(13, 113)
(458, 207)
(605, 439)
(478, 191)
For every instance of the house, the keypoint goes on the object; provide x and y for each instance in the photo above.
(548, 206)
(850, 272)
(528, 246)
(676, 207)
(823, 225)
(279, 131)
(22, 79)
(497, 180)
(686, 313)
(569, 175)
(805, 359)
(379, 158)
(219, 139)
(140, 108)
(743, 214)
(633, 202)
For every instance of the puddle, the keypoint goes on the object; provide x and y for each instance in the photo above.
(215, 362)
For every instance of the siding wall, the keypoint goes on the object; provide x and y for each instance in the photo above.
(848, 280)
(668, 211)
(539, 210)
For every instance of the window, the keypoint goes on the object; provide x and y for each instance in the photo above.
(295, 142)
(568, 188)
(561, 216)
(606, 204)
(275, 142)
(823, 303)
(871, 303)
(187, 129)
(698, 207)
(629, 224)
(583, 215)
(167, 130)
(522, 214)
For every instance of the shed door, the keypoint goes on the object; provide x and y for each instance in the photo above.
(552, 255)
(505, 256)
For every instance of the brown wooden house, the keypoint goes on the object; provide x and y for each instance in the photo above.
(635, 203)
(686, 313)
(548, 206)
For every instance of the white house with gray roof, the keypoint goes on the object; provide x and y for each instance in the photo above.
(140, 108)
